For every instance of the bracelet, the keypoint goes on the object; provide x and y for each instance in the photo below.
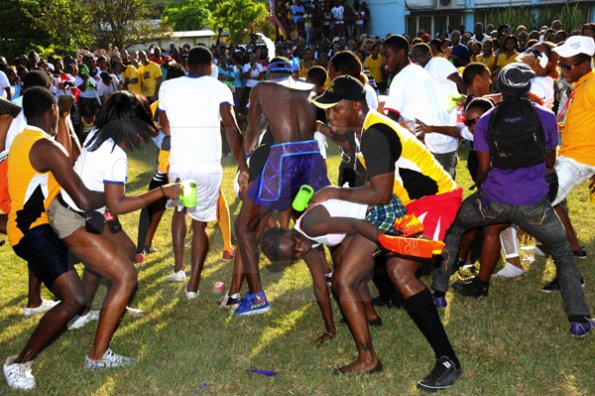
(162, 192)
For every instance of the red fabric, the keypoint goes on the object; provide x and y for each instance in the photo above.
(4, 197)
(437, 212)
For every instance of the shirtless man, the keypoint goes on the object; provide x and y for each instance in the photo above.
(294, 159)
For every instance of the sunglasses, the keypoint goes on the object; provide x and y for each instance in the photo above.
(471, 122)
(568, 68)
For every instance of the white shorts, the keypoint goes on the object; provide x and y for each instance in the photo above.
(570, 174)
(208, 183)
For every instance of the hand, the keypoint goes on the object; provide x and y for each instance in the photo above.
(325, 337)
(65, 104)
(172, 190)
(422, 128)
(243, 180)
(324, 194)
(322, 128)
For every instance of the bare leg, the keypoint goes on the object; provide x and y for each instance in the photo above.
(356, 265)
(246, 231)
(490, 252)
(178, 233)
(68, 288)
(106, 260)
(570, 232)
(34, 294)
(200, 247)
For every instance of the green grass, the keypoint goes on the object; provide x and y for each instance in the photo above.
(515, 342)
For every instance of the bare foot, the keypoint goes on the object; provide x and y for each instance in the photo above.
(325, 337)
(358, 367)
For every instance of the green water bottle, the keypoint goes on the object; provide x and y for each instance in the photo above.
(188, 196)
(302, 198)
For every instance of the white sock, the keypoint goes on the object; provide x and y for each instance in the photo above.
(509, 271)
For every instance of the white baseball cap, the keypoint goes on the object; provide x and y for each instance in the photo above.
(576, 45)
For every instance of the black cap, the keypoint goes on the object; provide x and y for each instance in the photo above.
(515, 78)
(341, 88)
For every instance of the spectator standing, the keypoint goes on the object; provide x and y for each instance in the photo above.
(149, 75)
(459, 52)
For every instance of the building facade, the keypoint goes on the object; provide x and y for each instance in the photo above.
(433, 16)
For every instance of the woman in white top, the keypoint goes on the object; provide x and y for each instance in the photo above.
(124, 122)
(544, 63)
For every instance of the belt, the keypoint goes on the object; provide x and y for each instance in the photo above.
(64, 204)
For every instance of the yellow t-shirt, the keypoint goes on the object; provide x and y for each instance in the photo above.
(131, 73)
(375, 67)
(504, 60)
(148, 75)
(31, 192)
(578, 137)
(489, 61)
(417, 172)
(163, 155)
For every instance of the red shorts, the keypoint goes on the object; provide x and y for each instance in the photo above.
(437, 212)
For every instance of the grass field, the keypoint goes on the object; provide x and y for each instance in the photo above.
(514, 342)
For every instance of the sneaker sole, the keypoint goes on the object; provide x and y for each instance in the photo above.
(254, 312)
(433, 389)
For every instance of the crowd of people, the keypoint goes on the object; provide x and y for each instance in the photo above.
(397, 107)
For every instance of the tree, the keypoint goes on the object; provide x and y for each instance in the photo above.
(240, 17)
(120, 22)
(188, 15)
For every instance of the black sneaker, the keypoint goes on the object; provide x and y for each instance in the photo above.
(443, 375)
(228, 302)
(581, 253)
(554, 286)
(476, 288)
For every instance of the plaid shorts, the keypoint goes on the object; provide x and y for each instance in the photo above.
(384, 216)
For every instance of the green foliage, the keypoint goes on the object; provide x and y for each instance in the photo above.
(240, 17)
(573, 16)
(512, 16)
(187, 15)
(18, 31)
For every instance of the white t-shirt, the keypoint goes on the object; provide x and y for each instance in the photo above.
(4, 83)
(192, 108)
(543, 88)
(412, 94)
(106, 165)
(440, 69)
(485, 38)
(371, 97)
(251, 74)
(335, 208)
(17, 125)
(338, 12)
(106, 90)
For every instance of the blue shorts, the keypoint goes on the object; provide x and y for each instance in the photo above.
(288, 166)
(45, 254)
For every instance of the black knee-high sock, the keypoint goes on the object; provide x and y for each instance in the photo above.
(422, 310)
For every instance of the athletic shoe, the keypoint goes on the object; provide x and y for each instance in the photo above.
(554, 286)
(179, 276)
(476, 288)
(151, 249)
(581, 253)
(190, 295)
(253, 304)
(229, 255)
(466, 273)
(139, 258)
(45, 306)
(229, 302)
(440, 302)
(19, 375)
(443, 375)
(134, 311)
(578, 329)
(109, 360)
(81, 321)
(509, 271)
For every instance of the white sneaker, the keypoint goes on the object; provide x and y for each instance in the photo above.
(45, 306)
(19, 375)
(509, 271)
(109, 360)
(81, 321)
(135, 311)
(192, 295)
(179, 276)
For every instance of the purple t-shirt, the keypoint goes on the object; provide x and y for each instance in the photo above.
(523, 186)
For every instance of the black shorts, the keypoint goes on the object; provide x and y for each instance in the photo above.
(45, 254)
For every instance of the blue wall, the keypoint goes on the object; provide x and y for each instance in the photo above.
(387, 16)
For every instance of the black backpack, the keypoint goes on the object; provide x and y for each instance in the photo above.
(515, 135)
